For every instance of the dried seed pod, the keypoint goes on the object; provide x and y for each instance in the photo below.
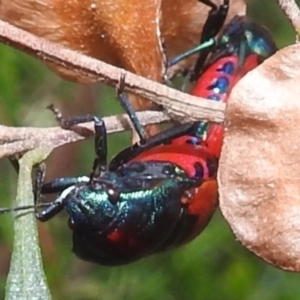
(260, 166)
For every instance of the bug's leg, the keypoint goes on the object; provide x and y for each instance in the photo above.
(130, 111)
(60, 184)
(206, 45)
(242, 53)
(56, 186)
(212, 26)
(38, 184)
(164, 137)
(215, 20)
(100, 162)
(5, 210)
(165, 78)
(24, 207)
(52, 208)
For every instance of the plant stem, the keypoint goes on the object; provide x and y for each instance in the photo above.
(26, 278)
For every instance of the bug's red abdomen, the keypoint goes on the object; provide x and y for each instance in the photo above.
(216, 83)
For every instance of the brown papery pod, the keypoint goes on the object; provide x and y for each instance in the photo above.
(259, 174)
(125, 33)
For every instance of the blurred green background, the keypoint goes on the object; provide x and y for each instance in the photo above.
(214, 266)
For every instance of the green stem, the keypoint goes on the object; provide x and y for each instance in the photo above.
(26, 278)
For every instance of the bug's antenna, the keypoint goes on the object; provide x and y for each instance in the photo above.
(203, 46)
(5, 210)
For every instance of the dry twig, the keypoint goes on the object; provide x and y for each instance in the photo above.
(175, 101)
(178, 104)
(291, 10)
(15, 140)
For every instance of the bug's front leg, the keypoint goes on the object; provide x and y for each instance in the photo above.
(54, 208)
(60, 184)
(63, 185)
(100, 162)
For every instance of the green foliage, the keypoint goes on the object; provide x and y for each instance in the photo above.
(214, 266)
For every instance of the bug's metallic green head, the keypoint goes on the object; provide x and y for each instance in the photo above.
(243, 32)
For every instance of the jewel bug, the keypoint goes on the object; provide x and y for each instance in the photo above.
(241, 46)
